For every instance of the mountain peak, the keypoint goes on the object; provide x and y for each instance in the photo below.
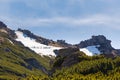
(96, 40)
(99, 43)
(6, 30)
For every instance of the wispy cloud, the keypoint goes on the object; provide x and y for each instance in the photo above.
(59, 14)
(95, 20)
(86, 14)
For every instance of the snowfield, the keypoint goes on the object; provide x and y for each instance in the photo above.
(39, 48)
(90, 50)
(42, 49)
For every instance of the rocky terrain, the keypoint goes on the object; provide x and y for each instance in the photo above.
(67, 57)
(5, 29)
(19, 61)
(59, 43)
(16, 60)
(103, 45)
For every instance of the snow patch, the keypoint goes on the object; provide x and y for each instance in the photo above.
(39, 48)
(91, 50)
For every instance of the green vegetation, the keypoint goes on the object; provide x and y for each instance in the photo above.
(92, 68)
(13, 64)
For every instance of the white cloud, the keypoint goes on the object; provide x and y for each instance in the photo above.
(95, 20)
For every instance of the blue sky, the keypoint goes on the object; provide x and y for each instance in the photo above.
(72, 20)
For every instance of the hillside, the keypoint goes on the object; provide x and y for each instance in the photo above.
(26, 56)
(17, 61)
(88, 68)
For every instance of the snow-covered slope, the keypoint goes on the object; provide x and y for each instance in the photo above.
(49, 50)
(90, 50)
(35, 46)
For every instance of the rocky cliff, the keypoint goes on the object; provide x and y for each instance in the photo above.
(103, 45)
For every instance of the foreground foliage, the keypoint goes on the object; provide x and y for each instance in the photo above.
(88, 69)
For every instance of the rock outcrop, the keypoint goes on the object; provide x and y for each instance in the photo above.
(103, 44)
(34, 63)
(5, 29)
(38, 38)
(68, 57)
(59, 43)
(96, 40)
(65, 44)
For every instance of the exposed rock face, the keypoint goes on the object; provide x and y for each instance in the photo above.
(5, 29)
(64, 44)
(96, 40)
(104, 45)
(67, 51)
(68, 57)
(38, 38)
(71, 60)
(59, 43)
(28, 33)
(34, 63)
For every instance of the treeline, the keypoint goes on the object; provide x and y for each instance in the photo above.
(91, 68)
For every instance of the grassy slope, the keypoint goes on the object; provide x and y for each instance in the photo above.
(12, 57)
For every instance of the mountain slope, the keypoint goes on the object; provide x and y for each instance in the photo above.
(94, 58)
(39, 48)
(17, 61)
(89, 68)
(98, 45)
(42, 40)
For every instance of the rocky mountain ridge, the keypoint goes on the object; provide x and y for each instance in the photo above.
(5, 29)
(103, 45)
(21, 61)
(16, 59)
(42, 40)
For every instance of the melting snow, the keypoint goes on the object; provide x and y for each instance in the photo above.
(35, 46)
(90, 50)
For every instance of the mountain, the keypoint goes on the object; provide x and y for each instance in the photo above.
(42, 40)
(32, 43)
(95, 46)
(24, 55)
(16, 60)
(40, 45)
(98, 45)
